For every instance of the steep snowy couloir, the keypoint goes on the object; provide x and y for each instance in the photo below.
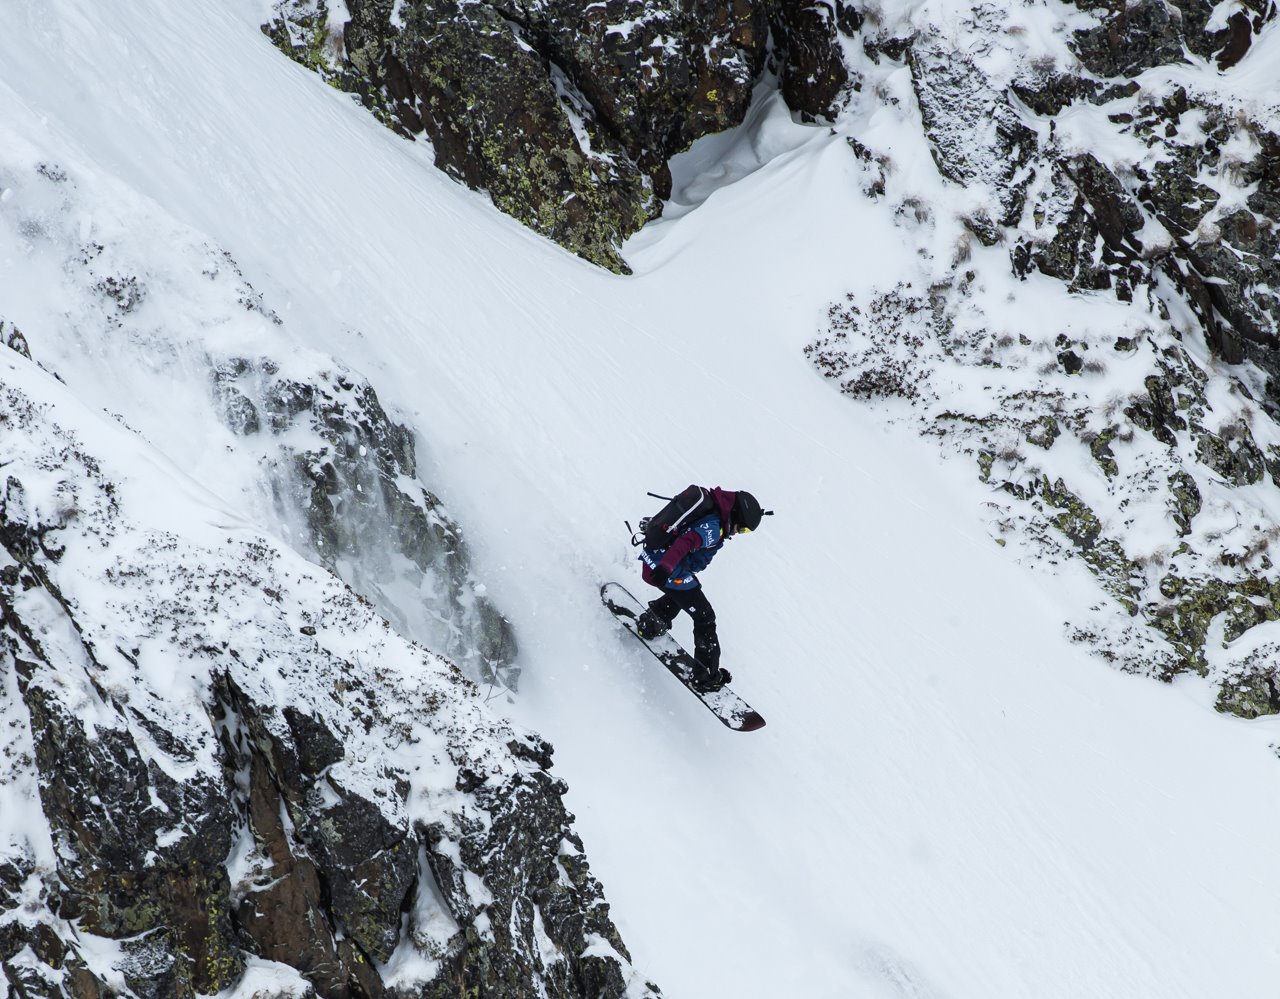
(951, 797)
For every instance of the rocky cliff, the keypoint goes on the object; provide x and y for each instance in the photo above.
(226, 763)
(262, 761)
(567, 113)
(240, 762)
(310, 446)
(1127, 154)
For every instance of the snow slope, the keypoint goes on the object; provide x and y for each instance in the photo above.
(949, 800)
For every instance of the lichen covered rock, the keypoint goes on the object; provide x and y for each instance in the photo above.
(1149, 491)
(339, 466)
(567, 113)
(235, 755)
(497, 121)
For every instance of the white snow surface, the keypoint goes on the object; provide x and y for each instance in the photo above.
(949, 800)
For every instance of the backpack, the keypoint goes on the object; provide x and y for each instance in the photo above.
(684, 510)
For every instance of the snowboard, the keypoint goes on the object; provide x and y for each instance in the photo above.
(731, 709)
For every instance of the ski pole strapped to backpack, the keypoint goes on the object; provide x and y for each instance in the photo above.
(684, 510)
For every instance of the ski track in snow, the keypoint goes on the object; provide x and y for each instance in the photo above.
(949, 800)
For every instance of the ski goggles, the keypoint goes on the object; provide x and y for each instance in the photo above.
(743, 530)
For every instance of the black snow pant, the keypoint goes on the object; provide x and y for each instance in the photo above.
(706, 646)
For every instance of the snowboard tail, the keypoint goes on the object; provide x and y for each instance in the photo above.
(732, 710)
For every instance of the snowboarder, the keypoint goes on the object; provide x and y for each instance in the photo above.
(680, 541)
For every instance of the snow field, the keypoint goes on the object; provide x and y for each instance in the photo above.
(948, 800)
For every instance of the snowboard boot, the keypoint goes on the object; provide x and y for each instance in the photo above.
(707, 681)
(709, 675)
(650, 625)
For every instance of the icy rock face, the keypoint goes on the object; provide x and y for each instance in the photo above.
(337, 462)
(974, 135)
(567, 112)
(1160, 203)
(238, 760)
(1163, 462)
(1135, 432)
(168, 336)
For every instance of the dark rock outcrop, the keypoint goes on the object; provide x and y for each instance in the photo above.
(552, 891)
(235, 755)
(1131, 38)
(35, 959)
(499, 119)
(282, 914)
(811, 67)
(566, 112)
(655, 73)
(142, 853)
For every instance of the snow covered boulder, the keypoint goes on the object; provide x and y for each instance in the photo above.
(974, 134)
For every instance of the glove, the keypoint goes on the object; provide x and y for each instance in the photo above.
(660, 575)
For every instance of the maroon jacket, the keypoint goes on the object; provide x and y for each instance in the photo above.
(692, 540)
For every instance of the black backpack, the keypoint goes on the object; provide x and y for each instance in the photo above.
(683, 510)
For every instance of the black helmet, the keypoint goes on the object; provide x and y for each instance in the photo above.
(746, 512)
